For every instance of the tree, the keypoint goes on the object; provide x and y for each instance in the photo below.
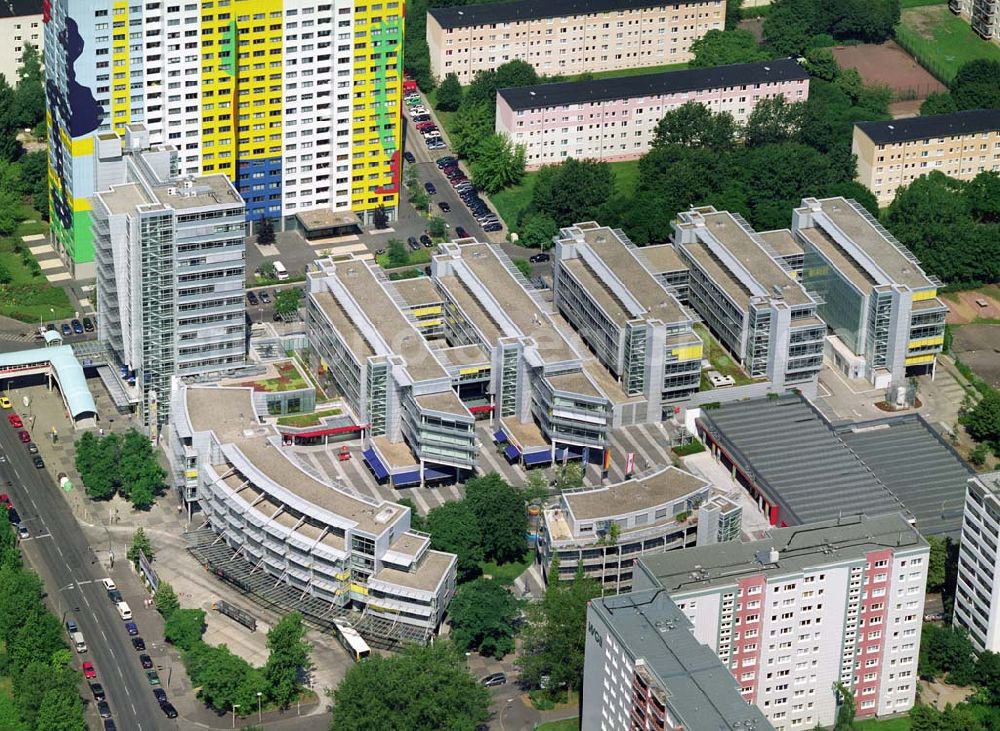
(975, 85)
(454, 529)
(485, 84)
(554, 637)
(396, 254)
(935, 564)
(265, 232)
(380, 218)
(140, 542)
(568, 476)
(536, 487)
(938, 102)
(773, 120)
(983, 196)
(289, 656)
(29, 96)
(267, 271)
(846, 708)
(472, 124)
(482, 618)
(537, 229)
(184, 628)
(225, 679)
(983, 421)
(946, 651)
(60, 710)
(449, 94)
(694, 125)
(498, 164)
(572, 191)
(166, 600)
(500, 514)
(733, 14)
(437, 228)
(821, 64)
(420, 689)
(719, 48)
(286, 302)
(10, 204)
(140, 475)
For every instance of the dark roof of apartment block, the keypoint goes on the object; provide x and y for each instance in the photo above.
(462, 16)
(939, 125)
(664, 82)
(19, 8)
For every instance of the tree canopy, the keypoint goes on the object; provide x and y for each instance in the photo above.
(288, 659)
(126, 465)
(719, 48)
(419, 689)
(500, 514)
(498, 164)
(793, 26)
(449, 94)
(482, 617)
(454, 529)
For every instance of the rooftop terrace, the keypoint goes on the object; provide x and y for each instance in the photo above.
(640, 493)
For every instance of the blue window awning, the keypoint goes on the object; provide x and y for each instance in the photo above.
(411, 477)
(511, 451)
(373, 460)
(531, 458)
(500, 436)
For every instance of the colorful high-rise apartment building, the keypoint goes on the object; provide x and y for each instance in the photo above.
(296, 101)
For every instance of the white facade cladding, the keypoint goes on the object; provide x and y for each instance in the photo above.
(355, 553)
(977, 594)
(170, 269)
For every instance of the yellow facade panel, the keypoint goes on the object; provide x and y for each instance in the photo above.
(925, 342)
(688, 352)
(919, 360)
(927, 294)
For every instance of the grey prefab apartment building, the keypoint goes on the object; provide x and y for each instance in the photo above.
(754, 306)
(875, 297)
(171, 271)
(636, 328)
(977, 591)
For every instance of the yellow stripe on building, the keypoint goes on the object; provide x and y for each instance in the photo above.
(81, 204)
(83, 146)
(120, 77)
(925, 342)
(421, 311)
(359, 589)
(471, 371)
(927, 294)
(919, 360)
(688, 352)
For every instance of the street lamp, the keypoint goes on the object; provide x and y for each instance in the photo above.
(235, 706)
(259, 694)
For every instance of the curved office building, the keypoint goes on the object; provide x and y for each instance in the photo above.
(351, 551)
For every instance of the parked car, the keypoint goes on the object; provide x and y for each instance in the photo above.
(38, 462)
(77, 327)
(115, 596)
(252, 298)
(88, 324)
(109, 725)
(494, 679)
(425, 240)
(146, 661)
(5, 403)
(24, 436)
(88, 670)
(32, 448)
(422, 118)
(139, 644)
(436, 144)
(13, 516)
(493, 226)
(429, 187)
(71, 626)
(443, 162)
(408, 156)
(152, 677)
(15, 421)
(168, 710)
(23, 532)
(132, 628)
(160, 694)
(98, 690)
(444, 206)
(66, 331)
(413, 243)
(104, 709)
(461, 232)
(265, 297)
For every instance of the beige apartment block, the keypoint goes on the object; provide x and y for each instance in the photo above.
(981, 15)
(568, 37)
(894, 153)
(20, 23)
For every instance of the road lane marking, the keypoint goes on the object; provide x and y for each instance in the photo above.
(88, 581)
(102, 634)
(85, 599)
(134, 712)
(128, 692)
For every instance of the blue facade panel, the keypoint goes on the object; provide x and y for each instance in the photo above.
(259, 182)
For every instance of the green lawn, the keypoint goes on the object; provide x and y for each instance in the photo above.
(413, 258)
(892, 724)
(28, 296)
(510, 202)
(507, 572)
(940, 41)
(570, 724)
(312, 419)
(289, 380)
(904, 4)
(720, 359)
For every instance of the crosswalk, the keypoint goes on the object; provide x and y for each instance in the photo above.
(646, 441)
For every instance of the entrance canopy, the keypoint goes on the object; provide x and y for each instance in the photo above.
(63, 365)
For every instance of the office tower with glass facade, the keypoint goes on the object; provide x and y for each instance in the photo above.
(295, 101)
(171, 269)
(882, 307)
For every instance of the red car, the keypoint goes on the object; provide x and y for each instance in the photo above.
(88, 670)
(15, 421)
(5, 499)
(24, 436)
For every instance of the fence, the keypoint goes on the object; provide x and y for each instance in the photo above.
(911, 42)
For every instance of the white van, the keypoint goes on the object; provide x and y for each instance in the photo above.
(280, 271)
(78, 642)
(123, 611)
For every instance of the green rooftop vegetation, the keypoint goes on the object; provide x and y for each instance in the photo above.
(311, 419)
(288, 379)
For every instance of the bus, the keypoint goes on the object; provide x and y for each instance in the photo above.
(352, 641)
(280, 271)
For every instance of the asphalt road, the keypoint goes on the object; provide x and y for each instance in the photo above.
(58, 551)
